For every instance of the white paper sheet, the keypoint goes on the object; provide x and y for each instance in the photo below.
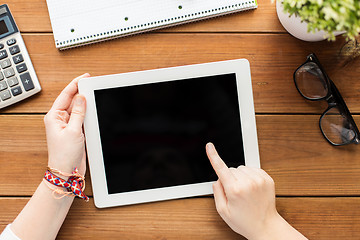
(83, 21)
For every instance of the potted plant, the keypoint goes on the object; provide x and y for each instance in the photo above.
(316, 20)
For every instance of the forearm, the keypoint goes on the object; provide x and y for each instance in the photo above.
(43, 215)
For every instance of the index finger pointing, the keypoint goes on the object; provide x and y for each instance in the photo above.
(225, 175)
(63, 101)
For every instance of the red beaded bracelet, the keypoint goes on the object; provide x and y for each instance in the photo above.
(75, 184)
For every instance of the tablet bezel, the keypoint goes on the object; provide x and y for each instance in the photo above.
(87, 86)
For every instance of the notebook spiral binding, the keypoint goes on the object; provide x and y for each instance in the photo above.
(160, 24)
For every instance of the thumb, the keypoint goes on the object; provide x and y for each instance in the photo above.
(77, 113)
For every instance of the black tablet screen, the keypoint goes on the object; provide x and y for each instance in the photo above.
(154, 135)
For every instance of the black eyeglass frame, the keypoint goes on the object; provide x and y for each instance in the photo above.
(333, 98)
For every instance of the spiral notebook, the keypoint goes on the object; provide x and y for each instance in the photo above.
(82, 22)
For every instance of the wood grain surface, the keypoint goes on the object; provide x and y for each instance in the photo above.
(317, 185)
(196, 218)
(292, 151)
(273, 86)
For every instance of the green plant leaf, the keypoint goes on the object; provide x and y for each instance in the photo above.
(327, 15)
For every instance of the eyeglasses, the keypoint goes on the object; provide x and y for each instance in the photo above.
(336, 123)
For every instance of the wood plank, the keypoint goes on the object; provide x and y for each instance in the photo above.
(196, 218)
(33, 16)
(273, 59)
(292, 151)
(301, 162)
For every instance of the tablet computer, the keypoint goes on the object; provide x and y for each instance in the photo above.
(146, 131)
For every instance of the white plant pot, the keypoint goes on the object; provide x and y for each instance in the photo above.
(297, 28)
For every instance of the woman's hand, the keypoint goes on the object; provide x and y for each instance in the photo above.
(245, 199)
(65, 137)
(43, 215)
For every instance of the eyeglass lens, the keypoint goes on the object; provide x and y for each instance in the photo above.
(311, 81)
(336, 127)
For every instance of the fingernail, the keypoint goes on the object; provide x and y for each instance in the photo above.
(79, 100)
(86, 75)
(210, 146)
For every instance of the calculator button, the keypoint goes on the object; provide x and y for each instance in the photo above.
(18, 59)
(1, 46)
(21, 68)
(14, 49)
(6, 63)
(3, 85)
(26, 81)
(1, 76)
(9, 72)
(16, 91)
(11, 42)
(12, 81)
(5, 95)
(3, 54)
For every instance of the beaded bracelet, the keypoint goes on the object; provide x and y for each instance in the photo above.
(74, 185)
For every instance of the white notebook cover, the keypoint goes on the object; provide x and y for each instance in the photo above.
(83, 22)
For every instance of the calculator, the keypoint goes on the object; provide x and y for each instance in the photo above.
(18, 79)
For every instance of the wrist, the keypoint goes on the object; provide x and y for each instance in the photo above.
(64, 169)
(59, 173)
(270, 228)
(59, 194)
(277, 228)
(67, 166)
(73, 183)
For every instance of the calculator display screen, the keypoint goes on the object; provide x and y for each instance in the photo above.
(154, 135)
(7, 26)
(3, 27)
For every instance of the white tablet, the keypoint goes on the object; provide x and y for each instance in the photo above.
(146, 131)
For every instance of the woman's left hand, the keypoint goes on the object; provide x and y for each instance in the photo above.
(64, 133)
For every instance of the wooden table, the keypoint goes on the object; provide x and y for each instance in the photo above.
(317, 185)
